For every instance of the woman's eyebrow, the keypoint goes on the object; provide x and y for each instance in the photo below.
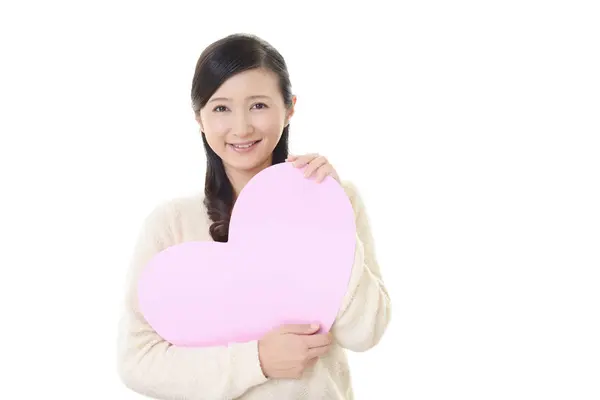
(258, 96)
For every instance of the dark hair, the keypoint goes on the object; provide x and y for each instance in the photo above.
(217, 63)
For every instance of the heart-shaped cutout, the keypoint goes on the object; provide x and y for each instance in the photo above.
(288, 260)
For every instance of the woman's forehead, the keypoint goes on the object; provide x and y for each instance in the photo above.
(255, 82)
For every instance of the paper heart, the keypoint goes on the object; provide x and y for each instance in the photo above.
(288, 260)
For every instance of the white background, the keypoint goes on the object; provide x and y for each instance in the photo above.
(471, 128)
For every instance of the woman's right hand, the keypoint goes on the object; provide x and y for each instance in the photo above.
(287, 351)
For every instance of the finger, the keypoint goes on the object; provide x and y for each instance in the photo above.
(299, 329)
(291, 157)
(312, 362)
(314, 165)
(322, 173)
(318, 351)
(318, 340)
(301, 161)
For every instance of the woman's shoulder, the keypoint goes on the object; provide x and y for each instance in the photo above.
(169, 214)
(353, 193)
(166, 208)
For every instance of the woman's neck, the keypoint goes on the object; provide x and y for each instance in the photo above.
(239, 178)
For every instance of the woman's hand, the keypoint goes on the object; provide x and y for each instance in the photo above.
(287, 351)
(315, 165)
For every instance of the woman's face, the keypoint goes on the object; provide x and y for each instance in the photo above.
(244, 119)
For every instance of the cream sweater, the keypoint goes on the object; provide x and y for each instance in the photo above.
(151, 366)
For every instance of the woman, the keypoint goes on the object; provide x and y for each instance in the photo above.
(242, 99)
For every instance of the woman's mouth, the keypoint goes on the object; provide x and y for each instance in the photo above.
(244, 147)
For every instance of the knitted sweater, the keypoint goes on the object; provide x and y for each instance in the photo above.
(156, 368)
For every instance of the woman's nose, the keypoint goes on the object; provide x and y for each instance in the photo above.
(242, 126)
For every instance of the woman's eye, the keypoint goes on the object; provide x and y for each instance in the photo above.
(260, 106)
(220, 108)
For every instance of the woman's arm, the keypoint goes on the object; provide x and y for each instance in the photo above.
(366, 308)
(154, 367)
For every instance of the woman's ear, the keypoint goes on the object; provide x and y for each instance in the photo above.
(290, 111)
(199, 121)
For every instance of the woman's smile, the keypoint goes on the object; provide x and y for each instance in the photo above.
(244, 147)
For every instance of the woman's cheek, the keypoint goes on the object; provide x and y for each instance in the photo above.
(218, 126)
(268, 123)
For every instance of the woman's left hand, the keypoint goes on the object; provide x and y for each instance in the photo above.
(316, 165)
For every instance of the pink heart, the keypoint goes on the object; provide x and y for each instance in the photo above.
(288, 260)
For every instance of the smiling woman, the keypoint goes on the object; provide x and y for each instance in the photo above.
(242, 100)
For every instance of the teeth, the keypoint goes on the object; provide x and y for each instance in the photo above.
(244, 146)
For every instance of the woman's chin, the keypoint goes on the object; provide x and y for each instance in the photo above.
(248, 164)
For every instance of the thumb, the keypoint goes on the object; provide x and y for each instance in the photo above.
(300, 329)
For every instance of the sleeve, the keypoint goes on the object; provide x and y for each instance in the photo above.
(153, 367)
(366, 309)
